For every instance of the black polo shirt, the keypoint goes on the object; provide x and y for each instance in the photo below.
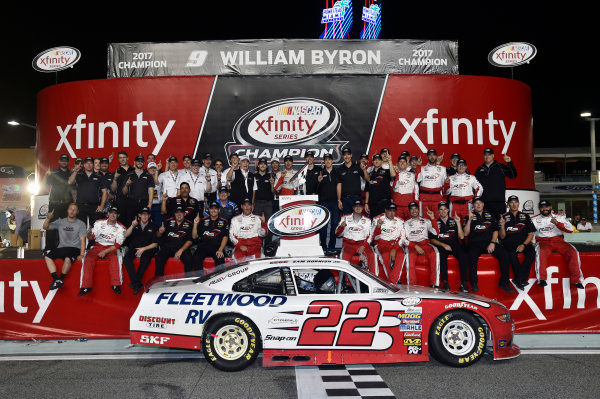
(263, 187)
(379, 186)
(517, 228)
(89, 188)
(327, 188)
(108, 179)
(350, 179)
(121, 179)
(138, 189)
(312, 180)
(176, 235)
(142, 236)
(60, 190)
(212, 231)
(483, 227)
(191, 206)
(448, 232)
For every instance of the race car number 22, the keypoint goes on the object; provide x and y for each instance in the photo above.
(315, 333)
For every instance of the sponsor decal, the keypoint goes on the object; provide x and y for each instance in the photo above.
(270, 337)
(157, 322)
(377, 290)
(18, 286)
(277, 320)
(230, 274)
(412, 335)
(512, 54)
(56, 59)
(412, 341)
(465, 305)
(43, 212)
(502, 343)
(304, 123)
(410, 321)
(412, 309)
(411, 301)
(414, 350)
(298, 220)
(153, 340)
(410, 316)
(411, 327)
(193, 298)
(197, 316)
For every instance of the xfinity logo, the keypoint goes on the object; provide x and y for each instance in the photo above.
(468, 129)
(93, 134)
(298, 220)
(17, 286)
(56, 59)
(512, 54)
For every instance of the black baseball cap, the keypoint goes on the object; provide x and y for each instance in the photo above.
(89, 159)
(207, 156)
(179, 209)
(145, 210)
(245, 200)
(488, 151)
(309, 154)
(288, 158)
(376, 156)
(405, 154)
(413, 204)
(402, 157)
(328, 155)
(113, 209)
(225, 189)
(63, 157)
(513, 198)
(196, 162)
(384, 150)
(431, 151)
(455, 155)
(478, 199)
(544, 203)
(391, 206)
(357, 203)
(346, 151)
(139, 158)
(214, 204)
(263, 160)
(461, 161)
(364, 156)
(172, 159)
(414, 157)
(443, 203)
(78, 160)
(104, 160)
(186, 156)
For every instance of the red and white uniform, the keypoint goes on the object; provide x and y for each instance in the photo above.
(283, 184)
(404, 191)
(460, 190)
(387, 237)
(105, 235)
(247, 231)
(431, 179)
(357, 233)
(549, 238)
(417, 233)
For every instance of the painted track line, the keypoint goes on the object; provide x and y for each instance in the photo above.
(124, 356)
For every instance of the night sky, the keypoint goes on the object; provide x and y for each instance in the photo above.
(563, 75)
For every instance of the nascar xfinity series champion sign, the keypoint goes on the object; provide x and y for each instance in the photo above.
(282, 57)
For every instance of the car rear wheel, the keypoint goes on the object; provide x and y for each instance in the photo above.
(457, 338)
(230, 343)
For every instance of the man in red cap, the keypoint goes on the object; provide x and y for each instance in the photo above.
(355, 228)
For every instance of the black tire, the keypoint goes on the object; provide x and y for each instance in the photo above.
(231, 342)
(457, 338)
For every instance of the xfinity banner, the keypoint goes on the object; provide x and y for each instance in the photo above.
(282, 57)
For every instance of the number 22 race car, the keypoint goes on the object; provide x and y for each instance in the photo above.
(313, 311)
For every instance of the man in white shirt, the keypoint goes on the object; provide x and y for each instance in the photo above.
(210, 194)
(584, 226)
(169, 180)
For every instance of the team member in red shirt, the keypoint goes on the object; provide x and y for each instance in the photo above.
(431, 179)
(246, 231)
(405, 188)
(462, 185)
(549, 238)
(355, 228)
(416, 230)
(388, 235)
(283, 183)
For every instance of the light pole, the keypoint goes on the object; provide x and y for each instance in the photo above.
(588, 116)
(15, 123)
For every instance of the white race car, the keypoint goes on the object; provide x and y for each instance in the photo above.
(312, 311)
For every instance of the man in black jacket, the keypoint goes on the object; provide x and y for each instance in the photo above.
(211, 234)
(327, 190)
(241, 180)
(492, 176)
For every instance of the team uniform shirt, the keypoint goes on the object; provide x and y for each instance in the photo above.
(89, 187)
(191, 207)
(350, 177)
(283, 183)
(431, 178)
(170, 182)
(212, 231)
(121, 179)
(242, 184)
(355, 230)
(213, 179)
(379, 185)
(246, 227)
(312, 180)
(140, 183)
(517, 229)
(482, 227)
(228, 210)
(176, 235)
(405, 184)
(391, 230)
(106, 234)
(447, 232)
(60, 190)
(197, 184)
(418, 230)
(262, 187)
(462, 187)
(546, 229)
(493, 179)
(182, 172)
(108, 179)
(327, 188)
(142, 236)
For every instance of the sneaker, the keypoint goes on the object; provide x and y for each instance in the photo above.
(579, 286)
(463, 288)
(84, 291)
(525, 283)
(116, 289)
(517, 284)
(542, 283)
(54, 285)
(59, 283)
(137, 289)
(474, 287)
(506, 287)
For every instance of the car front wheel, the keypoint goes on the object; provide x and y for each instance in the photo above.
(231, 343)
(457, 338)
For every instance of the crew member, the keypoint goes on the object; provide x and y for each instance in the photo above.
(108, 235)
(275, 169)
(241, 179)
(349, 183)
(188, 204)
(199, 183)
(219, 173)
(262, 196)
(312, 174)
(60, 191)
(170, 179)
(355, 228)
(141, 243)
(327, 190)
(405, 188)
(246, 231)
(211, 234)
(379, 192)
(108, 179)
(388, 236)
(283, 182)
(89, 184)
(450, 231)
(516, 233)
(451, 170)
(417, 230)
(117, 184)
(156, 217)
(139, 189)
(71, 243)
(210, 192)
(431, 179)
(492, 176)
(187, 166)
(175, 240)
(482, 229)
(228, 209)
(549, 237)
(461, 188)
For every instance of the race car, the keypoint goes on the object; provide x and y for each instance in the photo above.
(314, 311)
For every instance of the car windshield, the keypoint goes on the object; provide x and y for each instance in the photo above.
(391, 287)
(219, 270)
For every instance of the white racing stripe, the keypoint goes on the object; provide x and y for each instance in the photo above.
(156, 356)
(560, 351)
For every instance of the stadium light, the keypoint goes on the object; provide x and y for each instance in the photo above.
(16, 123)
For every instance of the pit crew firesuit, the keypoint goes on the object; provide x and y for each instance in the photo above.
(283, 184)
(417, 233)
(356, 234)
(431, 179)
(105, 235)
(173, 239)
(549, 238)
(210, 235)
(461, 187)
(448, 234)
(517, 229)
(388, 236)
(247, 231)
(404, 191)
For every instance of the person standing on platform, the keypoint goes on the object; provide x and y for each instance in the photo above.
(355, 228)
(516, 233)
(71, 243)
(327, 191)
(108, 235)
(461, 188)
(198, 183)
(138, 188)
(417, 230)
(108, 179)
(312, 174)
(283, 183)
(241, 179)
(431, 179)
(141, 243)
(91, 192)
(482, 230)
(210, 194)
(404, 188)
(492, 176)
(450, 231)
(388, 236)
(175, 240)
(379, 192)
(170, 179)
(60, 191)
(211, 234)
(246, 231)
(275, 169)
(549, 237)
(187, 203)
(120, 201)
(349, 183)
(263, 194)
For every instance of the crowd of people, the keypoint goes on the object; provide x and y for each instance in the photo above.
(387, 213)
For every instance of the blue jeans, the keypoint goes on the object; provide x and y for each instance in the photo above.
(334, 220)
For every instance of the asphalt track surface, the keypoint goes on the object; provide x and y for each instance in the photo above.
(528, 376)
